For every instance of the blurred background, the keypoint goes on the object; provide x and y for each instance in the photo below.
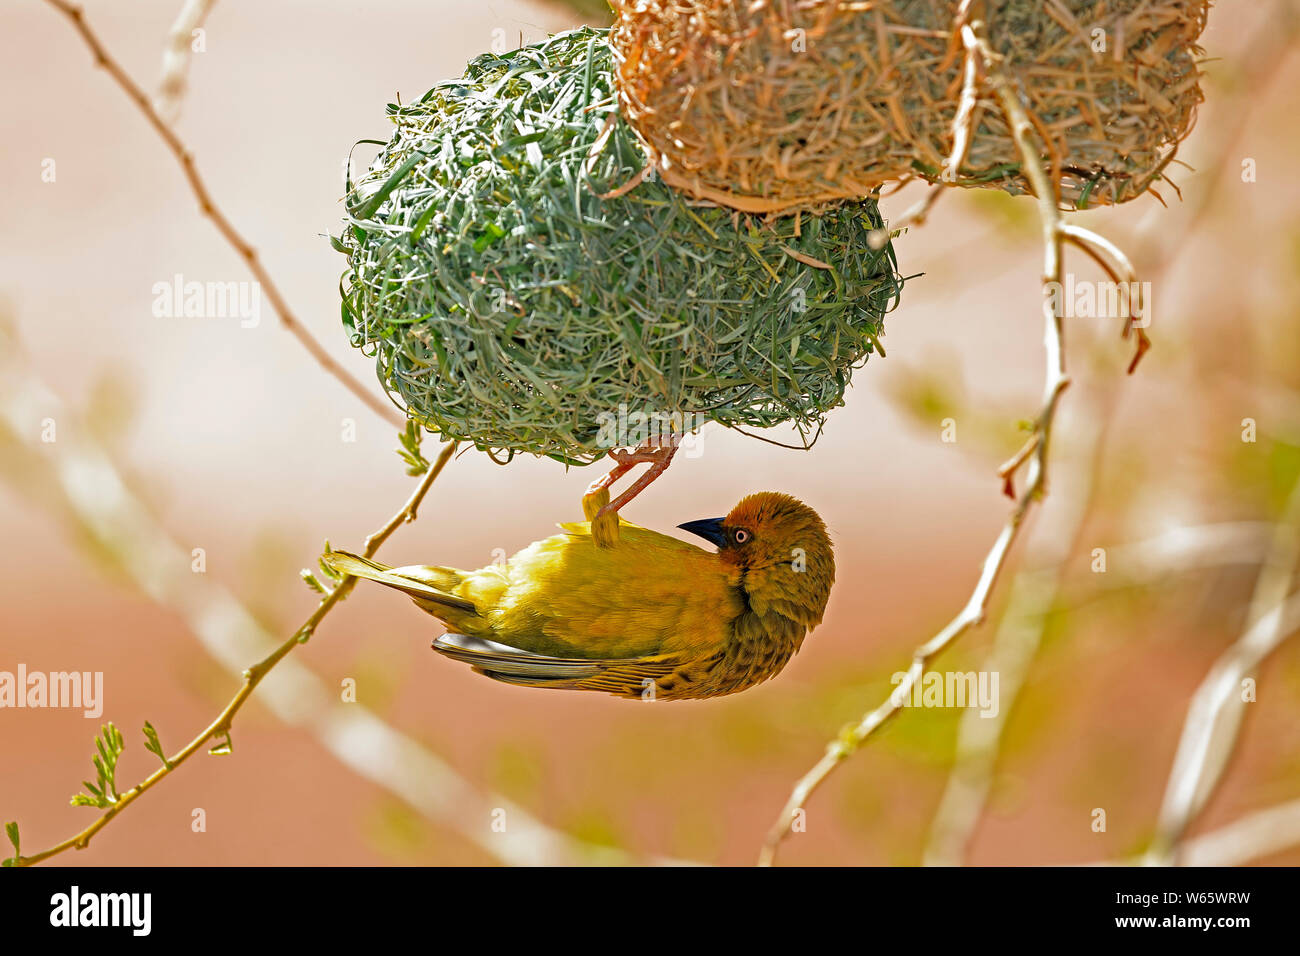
(233, 441)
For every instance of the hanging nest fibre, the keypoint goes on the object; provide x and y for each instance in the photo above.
(516, 277)
(772, 105)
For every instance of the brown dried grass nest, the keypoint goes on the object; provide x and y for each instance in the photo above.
(775, 104)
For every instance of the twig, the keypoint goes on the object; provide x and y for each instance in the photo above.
(1244, 840)
(963, 120)
(253, 676)
(1180, 550)
(1215, 714)
(1007, 470)
(1032, 595)
(915, 215)
(1249, 838)
(185, 157)
(1116, 265)
(1264, 53)
(176, 57)
(1189, 548)
(1259, 833)
(91, 485)
(1043, 186)
(1140, 563)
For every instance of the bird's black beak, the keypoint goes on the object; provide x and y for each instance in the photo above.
(710, 529)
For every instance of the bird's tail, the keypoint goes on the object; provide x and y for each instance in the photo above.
(345, 562)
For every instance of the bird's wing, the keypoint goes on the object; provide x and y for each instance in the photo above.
(649, 595)
(512, 665)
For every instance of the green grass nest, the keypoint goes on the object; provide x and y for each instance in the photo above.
(508, 304)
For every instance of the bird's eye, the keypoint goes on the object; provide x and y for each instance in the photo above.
(740, 536)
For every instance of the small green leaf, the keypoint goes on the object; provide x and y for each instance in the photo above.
(103, 793)
(154, 745)
(410, 438)
(326, 570)
(11, 828)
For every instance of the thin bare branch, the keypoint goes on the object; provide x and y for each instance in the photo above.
(88, 483)
(95, 497)
(1178, 551)
(915, 215)
(185, 157)
(1032, 595)
(176, 58)
(1215, 714)
(1253, 836)
(963, 121)
(1042, 183)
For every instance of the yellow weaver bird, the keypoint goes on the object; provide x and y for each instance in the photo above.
(649, 616)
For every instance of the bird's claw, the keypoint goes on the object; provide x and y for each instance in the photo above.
(658, 457)
(596, 504)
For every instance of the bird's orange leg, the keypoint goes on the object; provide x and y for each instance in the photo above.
(657, 453)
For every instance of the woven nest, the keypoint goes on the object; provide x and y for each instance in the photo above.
(770, 105)
(515, 277)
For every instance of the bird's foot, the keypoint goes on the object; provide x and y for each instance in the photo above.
(657, 453)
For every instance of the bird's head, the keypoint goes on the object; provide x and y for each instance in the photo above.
(782, 550)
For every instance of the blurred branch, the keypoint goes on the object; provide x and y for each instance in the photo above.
(100, 504)
(1249, 838)
(1179, 551)
(1035, 592)
(1034, 455)
(1190, 548)
(176, 58)
(1214, 716)
(1032, 596)
(106, 508)
(185, 157)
